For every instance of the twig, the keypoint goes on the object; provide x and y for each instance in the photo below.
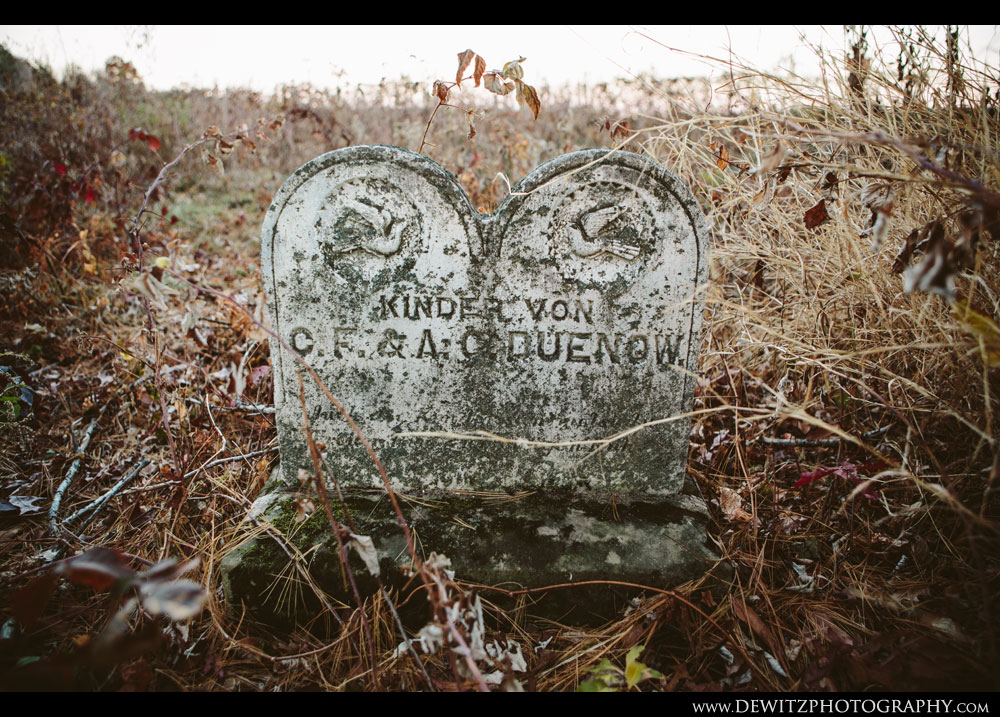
(819, 442)
(71, 473)
(336, 528)
(152, 486)
(208, 410)
(242, 405)
(152, 188)
(229, 459)
(407, 640)
(96, 505)
(423, 139)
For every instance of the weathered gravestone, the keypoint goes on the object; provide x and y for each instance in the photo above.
(485, 358)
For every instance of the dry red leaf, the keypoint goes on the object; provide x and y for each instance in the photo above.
(99, 568)
(747, 614)
(29, 602)
(816, 215)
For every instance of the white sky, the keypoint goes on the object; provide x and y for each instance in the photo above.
(262, 57)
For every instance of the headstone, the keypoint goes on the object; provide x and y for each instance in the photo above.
(548, 349)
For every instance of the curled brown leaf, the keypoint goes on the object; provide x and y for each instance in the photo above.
(493, 81)
(464, 59)
(528, 96)
(816, 215)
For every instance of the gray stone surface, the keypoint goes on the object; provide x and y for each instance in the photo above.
(540, 540)
(564, 317)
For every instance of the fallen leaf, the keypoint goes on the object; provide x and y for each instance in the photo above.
(26, 503)
(816, 215)
(765, 195)
(177, 599)
(366, 550)
(147, 285)
(982, 328)
(732, 505)
(747, 614)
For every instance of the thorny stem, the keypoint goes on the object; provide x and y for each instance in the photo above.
(407, 641)
(152, 188)
(423, 140)
(336, 528)
(137, 242)
(178, 468)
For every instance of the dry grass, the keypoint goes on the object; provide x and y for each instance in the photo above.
(881, 571)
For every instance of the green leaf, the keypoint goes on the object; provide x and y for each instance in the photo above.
(635, 671)
(633, 668)
(606, 665)
(595, 686)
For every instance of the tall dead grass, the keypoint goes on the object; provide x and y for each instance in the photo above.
(866, 519)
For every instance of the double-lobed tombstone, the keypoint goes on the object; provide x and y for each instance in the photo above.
(524, 376)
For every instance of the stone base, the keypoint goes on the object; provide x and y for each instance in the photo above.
(534, 541)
